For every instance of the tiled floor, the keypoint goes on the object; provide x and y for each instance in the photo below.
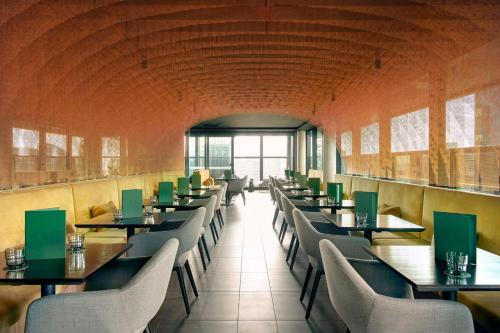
(247, 287)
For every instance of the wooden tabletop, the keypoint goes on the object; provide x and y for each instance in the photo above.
(382, 223)
(75, 268)
(417, 265)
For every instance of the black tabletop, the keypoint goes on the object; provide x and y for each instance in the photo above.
(417, 265)
(383, 223)
(294, 187)
(198, 194)
(328, 203)
(304, 194)
(174, 219)
(76, 268)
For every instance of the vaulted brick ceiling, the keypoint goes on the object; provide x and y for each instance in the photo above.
(240, 54)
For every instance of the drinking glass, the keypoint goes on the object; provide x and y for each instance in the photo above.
(361, 217)
(14, 257)
(456, 264)
(76, 241)
(148, 209)
(153, 199)
(118, 215)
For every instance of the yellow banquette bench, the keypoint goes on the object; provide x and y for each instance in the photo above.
(417, 204)
(76, 199)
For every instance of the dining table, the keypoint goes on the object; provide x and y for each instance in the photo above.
(327, 203)
(168, 220)
(197, 194)
(74, 269)
(305, 194)
(419, 267)
(390, 223)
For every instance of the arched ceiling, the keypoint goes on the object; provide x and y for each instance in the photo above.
(239, 54)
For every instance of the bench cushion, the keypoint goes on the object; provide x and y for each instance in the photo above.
(485, 307)
(400, 241)
(14, 301)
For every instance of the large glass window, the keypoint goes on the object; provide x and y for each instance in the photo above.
(460, 122)
(247, 156)
(55, 149)
(196, 153)
(78, 156)
(370, 139)
(219, 155)
(25, 145)
(410, 131)
(274, 155)
(110, 156)
(314, 149)
(346, 143)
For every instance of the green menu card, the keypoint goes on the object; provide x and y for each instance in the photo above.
(455, 232)
(227, 174)
(45, 234)
(366, 202)
(165, 192)
(335, 191)
(196, 181)
(132, 203)
(183, 185)
(302, 180)
(287, 173)
(314, 185)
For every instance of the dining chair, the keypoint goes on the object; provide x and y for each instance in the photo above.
(271, 192)
(363, 309)
(208, 221)
(293, 247)
(126, 308)
(284, 223)
(188, 234)
(273, 199)
(220, 195)
(309, 239)
(237, 187)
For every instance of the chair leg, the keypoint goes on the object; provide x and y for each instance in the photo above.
(213, 233)
(202, 255)
(317, 277)
(204, 242)
(220, 215)
(281, 229)
(148, 329)
(215, 228)
(244, 199)
(180, 276)
(306, 282)
(290, 247)
(191, 278)
(284, 233)
(276, 212)
(294, 255)
(217, 213)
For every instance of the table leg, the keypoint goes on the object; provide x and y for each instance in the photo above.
(368, 235)
(48, 289)
(130, 232)
(450, 295)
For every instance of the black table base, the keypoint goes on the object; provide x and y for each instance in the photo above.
(48, 289)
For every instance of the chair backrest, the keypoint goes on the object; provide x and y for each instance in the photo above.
(309, 237)
(351, 296)
(210, 209)
(147, 243)
(128, 309)
(271, 192)
(278, 194)
(288, 207)
(243, 182)
(220, 194)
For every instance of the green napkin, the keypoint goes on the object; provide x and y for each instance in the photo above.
(455, 232)
(45, 234)
(165, 192)
(366, 202)
(335, 191)
(314, 185)
(132, 203)
(183, 185)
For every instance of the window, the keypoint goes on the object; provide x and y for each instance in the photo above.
(219, 155)
(25, 144)
(77, 156)
(110, 156)
(314, 149)
(196, 153)
(346, 143)
(410, 131)
(77, 143)
(370, 139)
(274, 153)
(319, 149)
(55, 151)
(460, 122)
(247, 156)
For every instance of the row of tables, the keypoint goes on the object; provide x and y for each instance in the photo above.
(416, 264)
(77, 267)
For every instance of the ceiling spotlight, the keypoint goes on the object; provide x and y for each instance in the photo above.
(378, 62)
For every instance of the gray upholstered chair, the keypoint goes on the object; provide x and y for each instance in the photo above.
(309, 242)
(363, 309)
(273, 199)
(220, 195)
(208, 220)
(271, 192)
(284, 225)
(288, 207)
(126, 308)
(188, 234)
(236, 187)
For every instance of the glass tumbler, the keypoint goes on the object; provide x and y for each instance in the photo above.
(361, 217)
